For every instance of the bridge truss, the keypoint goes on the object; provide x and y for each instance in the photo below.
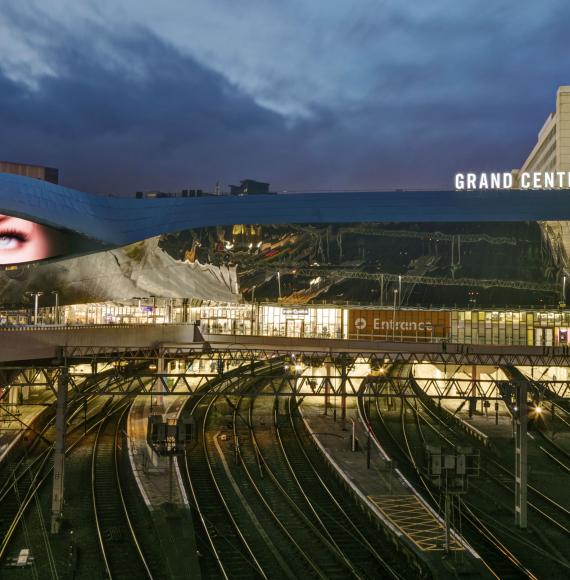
(303, 373)
(328, 374)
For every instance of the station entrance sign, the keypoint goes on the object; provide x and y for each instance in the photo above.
(420, 324)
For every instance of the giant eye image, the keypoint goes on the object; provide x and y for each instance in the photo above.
(26, 241)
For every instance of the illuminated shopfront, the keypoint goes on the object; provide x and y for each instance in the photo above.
(301, 321)
(225, 318)
(509, 327)
(532, 328)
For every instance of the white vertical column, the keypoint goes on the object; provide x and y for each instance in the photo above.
(59, 454)
(521, 420)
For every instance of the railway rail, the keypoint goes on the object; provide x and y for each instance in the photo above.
(498, 558)
(227, 552)
(261, 497)
(289, 506)
(42, 475)
(22, 480)
(121, 550)
(342, 520)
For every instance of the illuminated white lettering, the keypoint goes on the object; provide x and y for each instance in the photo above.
(459, 181)
(549, 179)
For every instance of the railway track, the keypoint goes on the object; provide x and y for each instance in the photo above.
(18, 475)
(230, 555)
(547, 508)
(554, 414)
(246, 477)
(405, 446)
(278, 492)
(120, 548)
(31, 471)
(496, 488)
(340, 517)
(551, 512)
(39, 482)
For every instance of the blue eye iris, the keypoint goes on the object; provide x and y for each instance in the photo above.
(7, 243)
(11, 240)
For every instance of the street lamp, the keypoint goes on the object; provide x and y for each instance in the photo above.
(252, 307)
(279, 283)
(56, 316)
(36, 296)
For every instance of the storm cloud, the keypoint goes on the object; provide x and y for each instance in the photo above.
(125, 95)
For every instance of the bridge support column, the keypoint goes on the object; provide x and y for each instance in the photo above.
(327, 386)
(59, 454)
(521, 420)
(473, 393)
(158, 386)
(13, 395)
(343, 377)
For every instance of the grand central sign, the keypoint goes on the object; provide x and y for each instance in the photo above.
(508, 180)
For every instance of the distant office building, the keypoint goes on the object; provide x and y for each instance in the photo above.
(250, 187)
(160, 194)
(246, 187)
(552, 154)
(50, 174)
(552, 149)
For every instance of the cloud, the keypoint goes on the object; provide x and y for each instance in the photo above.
(132, 94)
(295, 57)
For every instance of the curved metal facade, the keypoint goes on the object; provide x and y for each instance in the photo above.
(120, 221)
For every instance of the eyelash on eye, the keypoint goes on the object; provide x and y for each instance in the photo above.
(20, 236)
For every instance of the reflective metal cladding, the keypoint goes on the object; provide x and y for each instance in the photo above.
(118, 221)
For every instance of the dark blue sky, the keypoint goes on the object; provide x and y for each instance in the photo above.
(124, 95)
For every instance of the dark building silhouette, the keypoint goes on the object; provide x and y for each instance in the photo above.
(50, 174)
(157, 194)
(250, 187)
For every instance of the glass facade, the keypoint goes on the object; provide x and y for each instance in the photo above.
(532, 328)
(498, 327)
(300, 321)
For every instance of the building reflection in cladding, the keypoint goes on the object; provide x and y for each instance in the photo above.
(510, 327)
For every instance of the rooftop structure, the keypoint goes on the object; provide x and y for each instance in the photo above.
(154, 194)
(250, 187)
(50, 174)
